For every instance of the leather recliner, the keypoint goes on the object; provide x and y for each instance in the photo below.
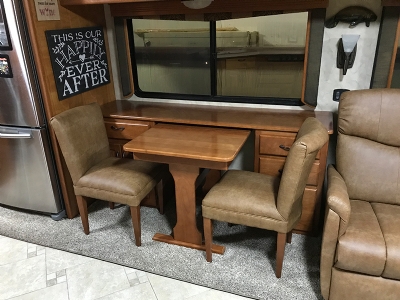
(360, 255)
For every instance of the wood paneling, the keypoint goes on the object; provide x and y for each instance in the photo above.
(71, 17)
(390, 2)
(176, 7)
(88, 2)
(155, 8)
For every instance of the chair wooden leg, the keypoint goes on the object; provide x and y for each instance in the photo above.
(135, 214)
(289, 237)
(160, 197)
(83, 211)
(111, 205)
(280, 252)
(208, 229)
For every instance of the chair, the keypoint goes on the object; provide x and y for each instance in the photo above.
(82, 137)
(360, 255)
(265, 201)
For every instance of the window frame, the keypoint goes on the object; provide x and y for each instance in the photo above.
(213, 78)
(313, 59)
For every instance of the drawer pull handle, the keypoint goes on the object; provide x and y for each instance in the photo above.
(286, 148)
(117, 128)
(126, 154)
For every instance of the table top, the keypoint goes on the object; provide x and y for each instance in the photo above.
(209, 147)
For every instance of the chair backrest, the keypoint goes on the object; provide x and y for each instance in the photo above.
(311, 137)
(367, 153)
(82, 137)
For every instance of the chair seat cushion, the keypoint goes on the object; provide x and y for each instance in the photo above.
(252, 200)
(371, 244)
(120, 180)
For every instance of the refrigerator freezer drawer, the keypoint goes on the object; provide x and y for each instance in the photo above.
(27, 173)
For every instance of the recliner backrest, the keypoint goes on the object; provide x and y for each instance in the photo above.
(82, 137)
(368, 153)
(311, 137)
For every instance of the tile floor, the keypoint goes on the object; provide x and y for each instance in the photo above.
(30, 272)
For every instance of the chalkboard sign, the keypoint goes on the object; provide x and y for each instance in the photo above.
(79, 60)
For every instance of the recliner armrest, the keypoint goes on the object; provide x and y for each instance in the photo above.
(338, 198)
(336, 221)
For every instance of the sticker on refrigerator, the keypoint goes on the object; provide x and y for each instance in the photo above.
(5, 67)
(5, 43)
(79, 60)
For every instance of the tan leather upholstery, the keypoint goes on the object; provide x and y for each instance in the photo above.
(263, 201)
(82, 137)
(360, 256)
(119, 180)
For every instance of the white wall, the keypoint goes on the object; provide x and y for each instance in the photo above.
(358, 77)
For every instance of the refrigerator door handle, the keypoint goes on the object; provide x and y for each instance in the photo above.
(20, 135)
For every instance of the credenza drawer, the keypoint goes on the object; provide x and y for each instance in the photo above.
(273, 165)
(277, 143)
(125, 129)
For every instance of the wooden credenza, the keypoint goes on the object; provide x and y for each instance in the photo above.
(275, 131)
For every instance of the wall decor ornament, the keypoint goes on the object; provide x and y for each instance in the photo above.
(79, 60)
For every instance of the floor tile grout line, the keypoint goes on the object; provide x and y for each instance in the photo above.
(66, 282)
(152, 288)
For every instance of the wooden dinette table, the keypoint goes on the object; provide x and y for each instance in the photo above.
(186, 149)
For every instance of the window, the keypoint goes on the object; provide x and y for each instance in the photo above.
(249, 60)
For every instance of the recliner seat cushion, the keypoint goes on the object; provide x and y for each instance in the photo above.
(371, 244)
(120, 180)
(389, 220)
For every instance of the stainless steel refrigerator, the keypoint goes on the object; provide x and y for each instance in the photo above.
(28, 177)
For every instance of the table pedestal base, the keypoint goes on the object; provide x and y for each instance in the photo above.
(170, 240)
